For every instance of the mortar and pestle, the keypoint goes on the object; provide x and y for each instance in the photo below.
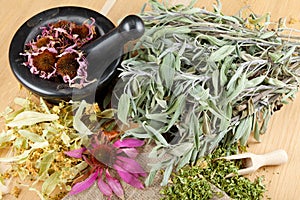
(104, 54)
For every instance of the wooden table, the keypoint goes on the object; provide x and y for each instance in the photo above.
(283, 182)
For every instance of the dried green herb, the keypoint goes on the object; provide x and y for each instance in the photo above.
(39, 134)
(196, 182)
(200, 79)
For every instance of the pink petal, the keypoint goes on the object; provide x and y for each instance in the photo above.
(77, 153)
(129, 165)
(87, 183)
(115, 185)
(129, 142)
(131, 179)
(137, 175)
(104, 187)
(131, 152)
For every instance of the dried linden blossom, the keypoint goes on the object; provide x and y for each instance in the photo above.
(38, 135)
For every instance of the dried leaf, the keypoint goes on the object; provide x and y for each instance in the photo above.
(123, 108)
(50, 184)
(222, 53)
(155, 133)
(167, 173)
(28, 118)
(17, 158)
(167, 70)
(31, 136)
(267, 34)
(7, 136)
(46, 161)
(78, 124)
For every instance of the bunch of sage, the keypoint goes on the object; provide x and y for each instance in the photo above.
(199, 79)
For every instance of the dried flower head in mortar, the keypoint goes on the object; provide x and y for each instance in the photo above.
(55, 52)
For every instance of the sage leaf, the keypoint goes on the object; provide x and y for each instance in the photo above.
(212, 40)
(221, 53)
(21, 101)
(155, 133)
(287, 54)
(167, 70)
(66, 139)
(267, 35)
(185, 159)
(247, 131)
(275, 82)
(167, 173)
(256, 131)
(150, 178)
(38, 145)
(179, 150)
(194, 128)
(241, 83)
(123, 108)
(243, 130)
(255, 82)
(235, 76)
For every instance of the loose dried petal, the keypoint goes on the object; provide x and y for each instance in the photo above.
(130, 179)
(104, 187)
(130, 152)
(77, 153)
(129, 142)
(115, 185)
(129, 165)
(84, 185)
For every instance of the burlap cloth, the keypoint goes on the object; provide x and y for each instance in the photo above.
(152, 192)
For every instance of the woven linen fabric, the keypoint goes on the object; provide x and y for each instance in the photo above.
(152, 192)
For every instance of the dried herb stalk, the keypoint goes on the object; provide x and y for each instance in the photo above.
(200, 79)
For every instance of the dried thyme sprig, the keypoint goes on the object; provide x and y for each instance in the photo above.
(199, 79)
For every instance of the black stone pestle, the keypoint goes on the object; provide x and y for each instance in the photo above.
(104, 50)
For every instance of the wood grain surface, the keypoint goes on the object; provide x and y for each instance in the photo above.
(283, 182)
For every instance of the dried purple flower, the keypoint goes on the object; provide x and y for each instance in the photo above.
(44, 61)
(103, 156)
(67, 65)
(55, 52)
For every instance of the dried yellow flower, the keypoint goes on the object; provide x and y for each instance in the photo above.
(39, 134)
(15, 191)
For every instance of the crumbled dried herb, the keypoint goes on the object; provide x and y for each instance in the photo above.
(199, 79)
(38, 135)
(195, 182)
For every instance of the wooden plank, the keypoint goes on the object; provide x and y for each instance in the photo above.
(283, 181)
